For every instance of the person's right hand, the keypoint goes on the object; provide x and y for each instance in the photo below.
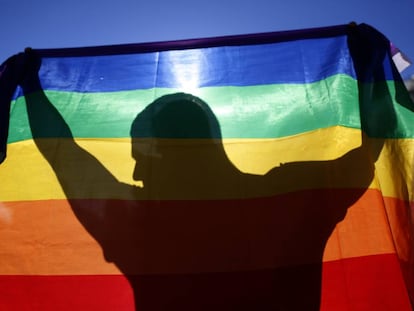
(29, 63)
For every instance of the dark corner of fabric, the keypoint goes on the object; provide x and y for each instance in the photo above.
(371, 55)
(369, 48)
(4, 111)
(8, 83)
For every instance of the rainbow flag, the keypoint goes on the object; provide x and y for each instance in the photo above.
(259, 172)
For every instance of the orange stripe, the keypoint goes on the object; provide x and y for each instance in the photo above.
(373, 225)
(44, 237)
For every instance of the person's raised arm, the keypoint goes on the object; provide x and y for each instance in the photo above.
(86, 183)
(378, 121)
(54, 138)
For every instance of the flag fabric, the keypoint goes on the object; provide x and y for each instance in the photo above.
(259, 172)
(401, 60)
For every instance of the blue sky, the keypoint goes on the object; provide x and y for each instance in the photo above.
(72, 23)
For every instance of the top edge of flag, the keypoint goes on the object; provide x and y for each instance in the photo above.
(248, 39)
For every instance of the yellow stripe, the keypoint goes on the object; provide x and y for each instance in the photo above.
(26, 175)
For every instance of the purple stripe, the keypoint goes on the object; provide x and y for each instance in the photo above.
(261, 38)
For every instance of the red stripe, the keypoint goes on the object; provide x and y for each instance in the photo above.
(357, 284)
(65, 293)
(364, 284)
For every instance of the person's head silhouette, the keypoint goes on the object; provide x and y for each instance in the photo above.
(173, 119)
(177, 115)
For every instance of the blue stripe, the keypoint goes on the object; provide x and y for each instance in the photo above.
(292, 62)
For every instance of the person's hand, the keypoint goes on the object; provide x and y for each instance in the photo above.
(30, 65)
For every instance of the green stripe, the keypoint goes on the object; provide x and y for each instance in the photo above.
(264, 111)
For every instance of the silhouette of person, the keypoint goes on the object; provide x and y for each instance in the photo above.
(200, 234)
